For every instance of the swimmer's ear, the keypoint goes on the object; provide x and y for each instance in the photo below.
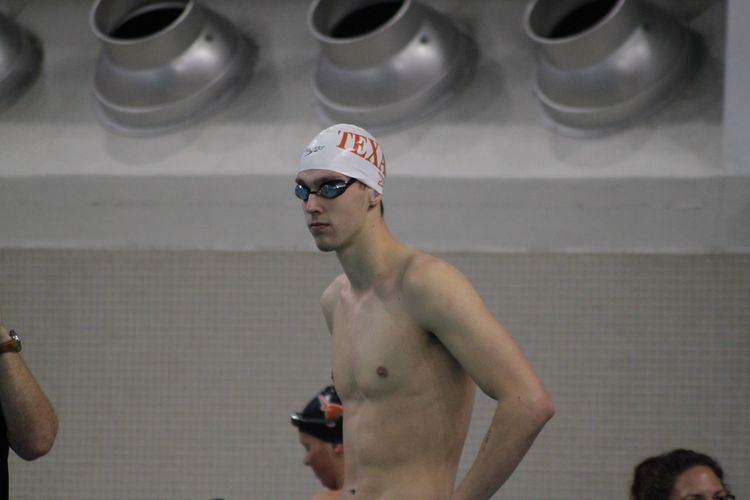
(375, 197)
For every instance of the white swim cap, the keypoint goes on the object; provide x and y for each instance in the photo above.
(349, 150)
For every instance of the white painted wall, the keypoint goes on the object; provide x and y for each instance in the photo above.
(483, 173)
(737, 98)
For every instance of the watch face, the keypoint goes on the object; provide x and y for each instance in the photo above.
(16, 340)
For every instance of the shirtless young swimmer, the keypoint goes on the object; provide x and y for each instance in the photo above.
(410, 341)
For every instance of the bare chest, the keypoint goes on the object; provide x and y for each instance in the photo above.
(377, 348)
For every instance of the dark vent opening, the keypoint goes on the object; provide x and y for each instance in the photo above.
(582, 18)
(146, 22)
(365, 20)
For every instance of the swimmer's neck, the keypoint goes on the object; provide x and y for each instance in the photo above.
(370, 258)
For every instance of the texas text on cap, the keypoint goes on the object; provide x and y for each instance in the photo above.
(323, 417)
(348, 150)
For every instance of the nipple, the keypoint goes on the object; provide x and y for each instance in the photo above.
(382, 371)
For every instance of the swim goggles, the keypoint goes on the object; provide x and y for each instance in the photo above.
(328, 190)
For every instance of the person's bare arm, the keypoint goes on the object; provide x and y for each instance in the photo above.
(446, 304)
(29, 416)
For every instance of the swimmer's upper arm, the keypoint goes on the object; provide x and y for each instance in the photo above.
(444, 303)
(330, 298)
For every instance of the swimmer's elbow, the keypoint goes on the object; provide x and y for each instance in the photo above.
(534, 407)
(546, 409)
(35, 446)
(37, 440)
(541, 409)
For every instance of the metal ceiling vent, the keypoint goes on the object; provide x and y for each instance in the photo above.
(20, 60)
(164, 63)
(605, 63)
(383, 62)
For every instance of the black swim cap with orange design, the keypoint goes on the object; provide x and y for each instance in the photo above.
(323, 417)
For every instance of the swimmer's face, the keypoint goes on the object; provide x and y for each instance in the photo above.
(333, 222)
(321, 458)
(697, 483)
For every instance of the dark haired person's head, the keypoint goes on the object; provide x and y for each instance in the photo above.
(320, 427)
(679, 475)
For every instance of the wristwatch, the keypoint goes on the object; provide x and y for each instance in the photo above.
(12, 345)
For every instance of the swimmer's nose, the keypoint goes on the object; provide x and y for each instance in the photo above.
(312, 205)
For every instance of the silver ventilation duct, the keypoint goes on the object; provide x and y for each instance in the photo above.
(383, 63)
(164, 63)
(605, 63)
(20, 60)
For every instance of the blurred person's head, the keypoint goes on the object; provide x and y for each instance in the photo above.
(320, 429)
(679, 475)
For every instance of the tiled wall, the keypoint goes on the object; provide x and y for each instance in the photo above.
(174, 372)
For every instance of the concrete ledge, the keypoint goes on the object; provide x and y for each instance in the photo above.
(260, 213)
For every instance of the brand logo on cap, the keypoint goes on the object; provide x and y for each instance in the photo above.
(332, 411)
(314, 149)
(364, 147)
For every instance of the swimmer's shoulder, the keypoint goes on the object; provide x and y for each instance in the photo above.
(332, 293)
(422, 269)
(425, 276)
(331, 297)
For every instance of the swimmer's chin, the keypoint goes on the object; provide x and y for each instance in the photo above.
(323, 242)
(323, 247)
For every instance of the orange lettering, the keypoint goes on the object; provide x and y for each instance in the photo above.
(359, 148)
(373, 158)
(359, 143)
(344, 135)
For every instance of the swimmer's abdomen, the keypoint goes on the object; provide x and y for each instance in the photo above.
(411, 437)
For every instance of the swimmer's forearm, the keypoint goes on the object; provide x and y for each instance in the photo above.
(511, 434)
(31, 421)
